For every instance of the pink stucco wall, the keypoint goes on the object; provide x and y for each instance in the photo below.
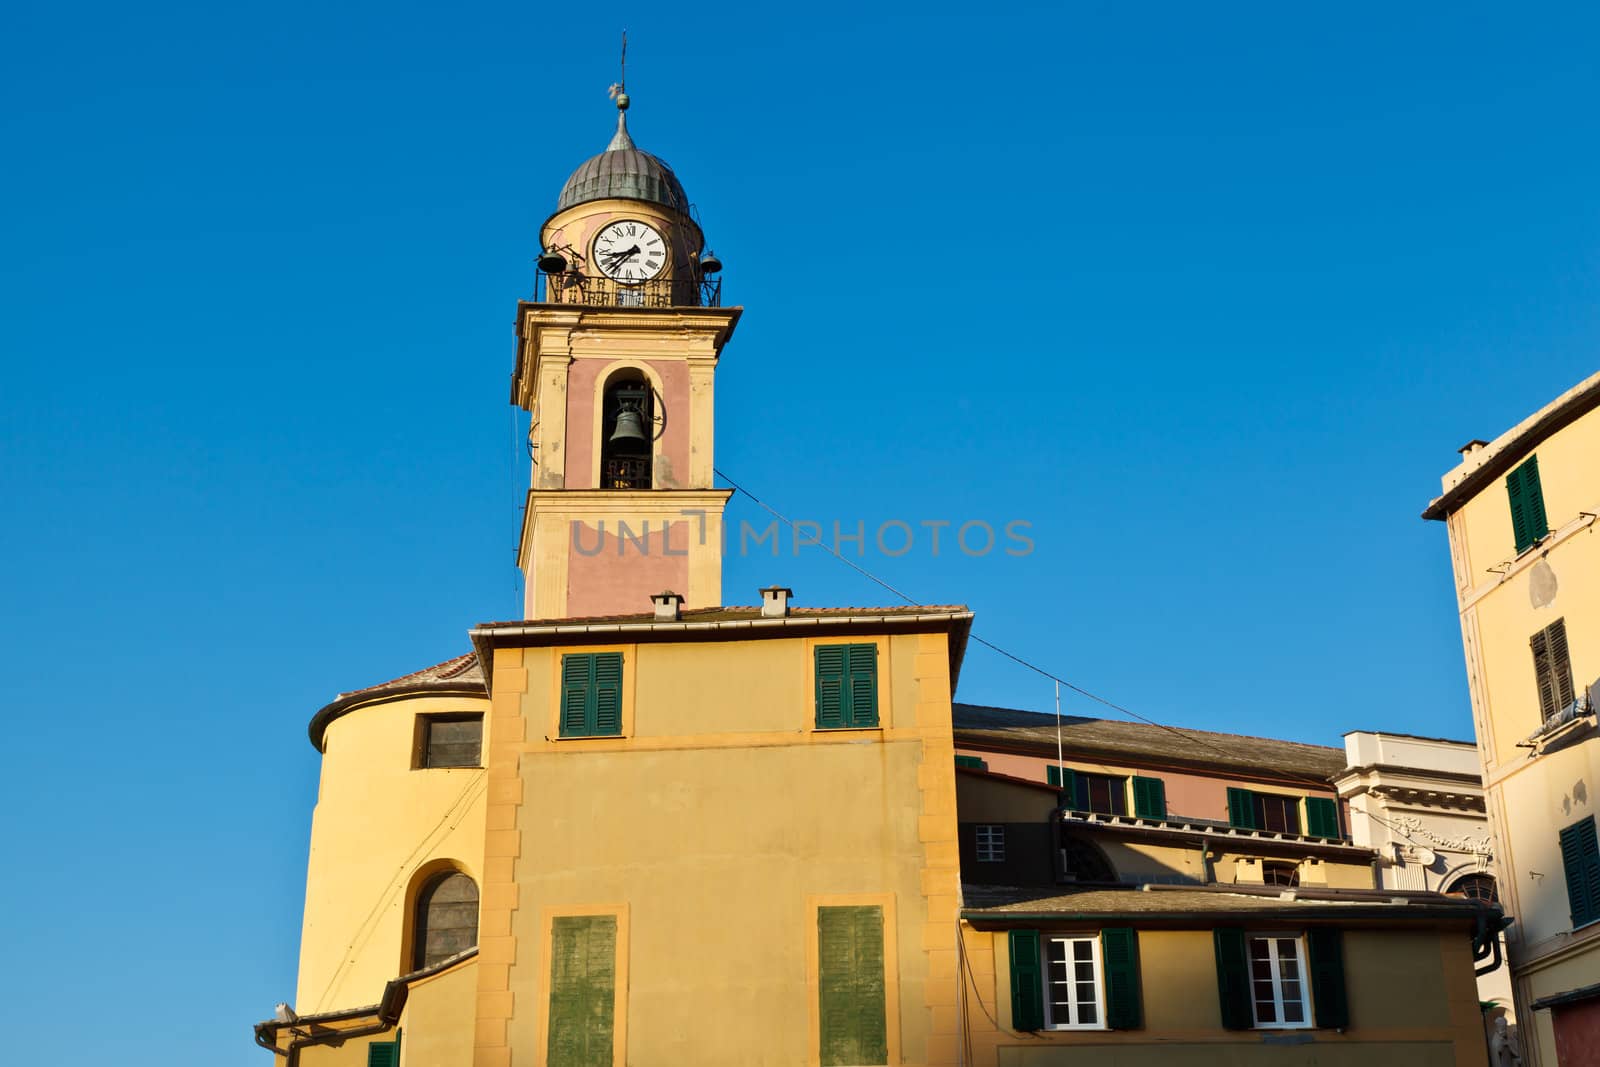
(1189, 795)
(622, 576)
(671, 466)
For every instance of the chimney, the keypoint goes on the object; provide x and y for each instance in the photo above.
(668, 604)
(775, 602)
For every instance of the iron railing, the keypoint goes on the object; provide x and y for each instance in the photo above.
(573, 287)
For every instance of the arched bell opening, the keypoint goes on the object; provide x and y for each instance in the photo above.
(627, 434)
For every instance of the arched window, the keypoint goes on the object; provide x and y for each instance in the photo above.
(627, 434)
(1082, 861)
(446, 919)
(1477, 887)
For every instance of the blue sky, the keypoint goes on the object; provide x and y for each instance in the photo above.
(1209, 296)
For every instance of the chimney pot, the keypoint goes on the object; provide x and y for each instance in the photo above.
(775, 602)
(668, 605)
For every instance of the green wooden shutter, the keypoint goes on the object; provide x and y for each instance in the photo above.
(972, 763)
(1027, 981)
(1528, 520)
(1149, 798)
(583, 979)
(577, 677)
(607, 698)
(853, 1011)
(1233, 979)
(1069, 790)
(830, 686)
(1325, 947)
(384, 1054)
(1242, 809)
(1052, 775)
(1322, 817)
(1580, 860)
(1119, 947)
(862, 690)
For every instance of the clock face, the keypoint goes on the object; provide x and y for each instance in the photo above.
(631, 252)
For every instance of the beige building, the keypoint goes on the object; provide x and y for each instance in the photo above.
(1521, 513)
(1417, 802)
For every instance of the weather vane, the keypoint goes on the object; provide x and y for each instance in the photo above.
(618, 90)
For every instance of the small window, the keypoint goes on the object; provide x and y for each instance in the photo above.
(454, 740)
(1104, 794)
(1278, 982)
(1276, 872)
(1528, 522)
(446, 919)
(991, 843)
(384, 1053)
(1476, 887)
(1580, 858)
(847, 686)
(591, 695)
(1272, 812)
(1074, 996)
(1552, 669)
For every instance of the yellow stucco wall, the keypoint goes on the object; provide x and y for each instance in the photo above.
(712, 829)
(377, 824)
(1411, 992)
(1504, 600)
(437, 1020)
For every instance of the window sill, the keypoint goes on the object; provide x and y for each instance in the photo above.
(460, 767)
(846, 729)
(1097, 1029)
(1278, 1028)
(588, 737)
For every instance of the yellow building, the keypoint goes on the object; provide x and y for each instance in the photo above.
(636, 826)
(1521, 513)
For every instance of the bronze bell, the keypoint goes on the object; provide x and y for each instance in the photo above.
(710, 264)
(629, 434)
(552, 262)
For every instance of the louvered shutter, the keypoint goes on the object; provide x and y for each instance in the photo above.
(1528, 520)
(863, 685)
(1027, 982)
(1052, 775)
(583, 969)
(1322, 817)
(1325, 947)
(1120, 948)
(1544, 679)
(1233, 979)
(971, 763)
(1149, 798)
(830, 686)
(1580, 861)
(853, 1006)
(607, 700)
(383, 1054)
(1241, 809)
(577, 678)
(1560, 664)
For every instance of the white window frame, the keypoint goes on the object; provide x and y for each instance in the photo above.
(1050, 1021)
(991, 839)
(1302, 962)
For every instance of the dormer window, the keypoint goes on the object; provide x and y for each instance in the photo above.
(627, 433)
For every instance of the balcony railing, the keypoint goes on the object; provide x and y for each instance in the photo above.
(572, 287)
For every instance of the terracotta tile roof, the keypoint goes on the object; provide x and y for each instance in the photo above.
(732, 613)
(1200, 902)
(1114, 739)
(462, 675)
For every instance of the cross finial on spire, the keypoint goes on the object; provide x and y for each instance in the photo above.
(619, 88)
(619, 93)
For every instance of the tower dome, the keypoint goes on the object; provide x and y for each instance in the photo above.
(624, 172)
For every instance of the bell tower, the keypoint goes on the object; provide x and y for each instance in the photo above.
(616, 362)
